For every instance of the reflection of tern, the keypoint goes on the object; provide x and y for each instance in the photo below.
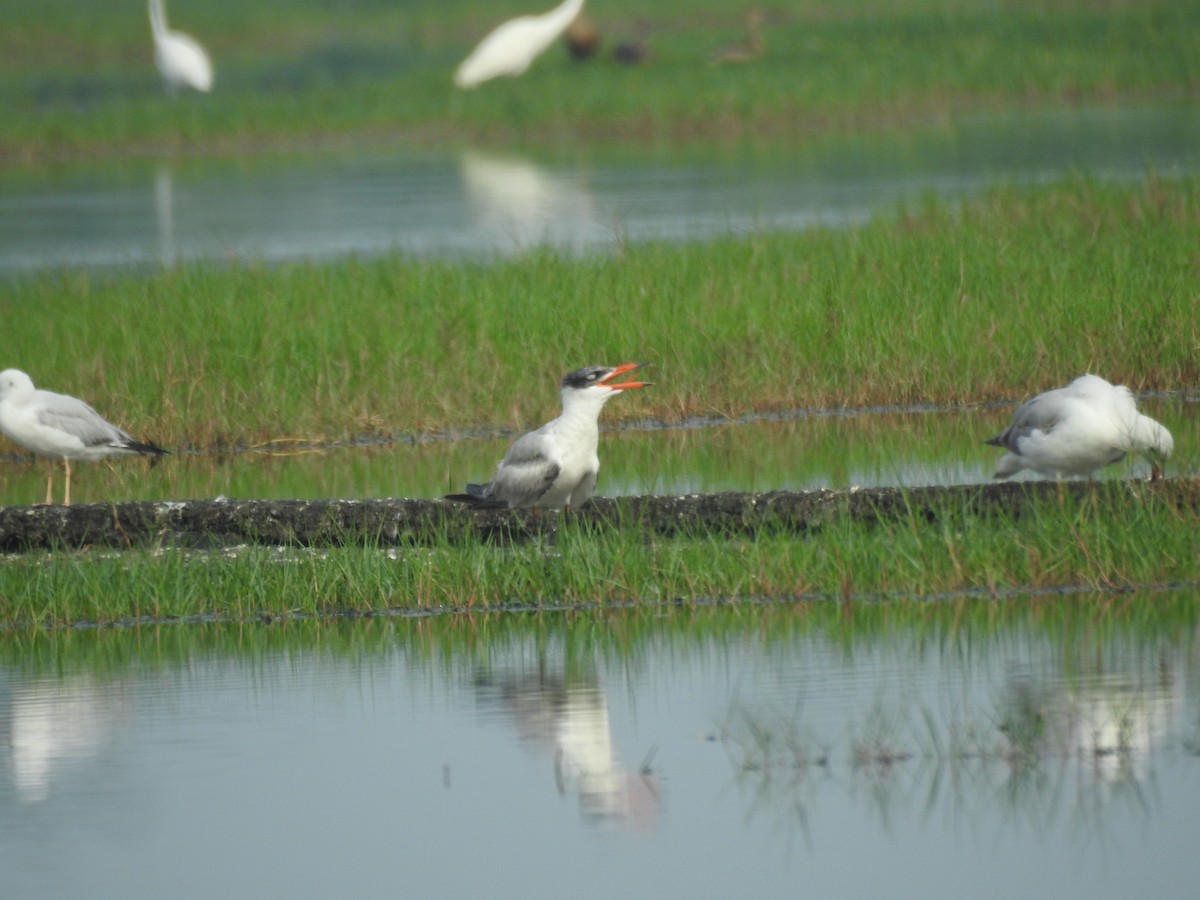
(584, 750)
(572, 723)
(1078, 429)
(522, 202)
(556, 466)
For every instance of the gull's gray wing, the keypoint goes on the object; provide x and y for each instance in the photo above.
(1041, 413)
(74, 417)
(525, 473)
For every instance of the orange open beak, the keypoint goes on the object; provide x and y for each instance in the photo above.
(621, 370)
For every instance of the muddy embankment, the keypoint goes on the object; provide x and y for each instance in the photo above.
(209, 523)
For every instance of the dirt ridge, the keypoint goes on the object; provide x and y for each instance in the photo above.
(399, 522)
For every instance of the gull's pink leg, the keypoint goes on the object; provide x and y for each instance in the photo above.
(67, 492)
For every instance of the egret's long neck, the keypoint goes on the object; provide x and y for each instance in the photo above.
(565, 12)
(158, 18)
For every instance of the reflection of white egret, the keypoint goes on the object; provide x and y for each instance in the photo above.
(164, 208)
(1079, 429)
(522, 202)
(511, 47)
(181, 60)
(56, 725)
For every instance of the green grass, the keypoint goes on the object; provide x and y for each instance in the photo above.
(1083, 627)
(993, 297)
(1063, 544)
(1086, 631)
(78, 79)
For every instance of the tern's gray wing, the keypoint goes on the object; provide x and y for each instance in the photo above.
(74, 417)
(1041, 413)
(525, 473)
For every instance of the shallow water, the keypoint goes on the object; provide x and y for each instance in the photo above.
(685, 753)
(484, 201)
(808, 451)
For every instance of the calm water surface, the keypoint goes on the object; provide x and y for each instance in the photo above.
(479, 200)
(837, 450)
(588, 759)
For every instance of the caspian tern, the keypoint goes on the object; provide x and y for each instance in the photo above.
(556, 465)
(59, 427)
(1080, 428)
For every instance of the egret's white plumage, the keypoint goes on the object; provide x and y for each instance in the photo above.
(58, 426)
(514, 45)
(181, 60)
(1079, 429)
(556, 466)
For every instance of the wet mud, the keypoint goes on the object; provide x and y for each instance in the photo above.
(399, 522)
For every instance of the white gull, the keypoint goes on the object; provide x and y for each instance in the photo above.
(1078, 429)
(58, 426)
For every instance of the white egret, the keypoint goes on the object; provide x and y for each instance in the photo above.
(511, 47)
(1079, 429)
(181, 60)
(58, 426)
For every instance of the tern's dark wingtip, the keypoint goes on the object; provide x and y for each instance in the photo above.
(475, 502)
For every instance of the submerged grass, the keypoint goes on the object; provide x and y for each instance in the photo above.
(1088, 631)
(79, 79)
(1063, 544)
(995, 296)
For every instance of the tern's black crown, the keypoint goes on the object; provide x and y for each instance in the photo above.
(586, 376)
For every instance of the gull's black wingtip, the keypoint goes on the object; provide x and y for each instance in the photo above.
(146, 448)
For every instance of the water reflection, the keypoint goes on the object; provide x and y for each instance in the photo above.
(1111, 726)
(517, 204)
(569, 723)
(1008, 744)
(55, 728)
(1037, 747)
(164, 210)
(482, 202)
